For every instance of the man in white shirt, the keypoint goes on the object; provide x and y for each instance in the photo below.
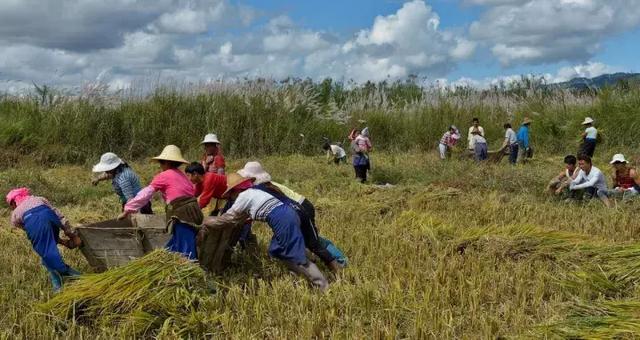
(476, 126)
(591, 180)
(510, 141)
(335, 153)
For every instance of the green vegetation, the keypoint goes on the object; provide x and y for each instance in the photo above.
(452, 250)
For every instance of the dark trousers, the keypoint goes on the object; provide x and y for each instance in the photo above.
(588, 147)
(361, 172)
(513, 153)
(310, 233)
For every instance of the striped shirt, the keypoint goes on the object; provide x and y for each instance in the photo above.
(257, 203)
(17, 217)
(126, 184)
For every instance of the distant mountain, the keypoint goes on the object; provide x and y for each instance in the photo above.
(598, 82)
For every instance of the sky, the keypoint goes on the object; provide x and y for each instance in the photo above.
(72, 43)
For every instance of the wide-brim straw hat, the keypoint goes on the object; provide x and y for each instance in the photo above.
(233, 180)
(526, 121)
(587, 120)
(618, 158)
(256, 171)
(210, 139)
(171, 153)
(108, 162)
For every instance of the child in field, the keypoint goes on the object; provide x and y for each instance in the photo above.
(625, 179)
(448, 141)
(183, 212)
(305, 209)
(125, 182)
(213, 160)
(335, 153)
(361, 147)
(287, 243)
(560, 184)
(481, 151)
(589, 138)
(42, 223)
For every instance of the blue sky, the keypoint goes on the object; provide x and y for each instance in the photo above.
(473, 42)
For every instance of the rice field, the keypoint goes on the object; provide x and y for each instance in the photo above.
(448, 250)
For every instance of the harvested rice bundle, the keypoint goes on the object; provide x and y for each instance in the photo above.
(605, 320)
(140, 295)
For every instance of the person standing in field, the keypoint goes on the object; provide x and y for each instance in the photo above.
(559, 184)
(125, 182)
(524, 148)
(361, 147)
(305, 209)
(335, 153)
(625, 179)
(287, 243)
(212, 160)
(42, 223)
(481, 150)
(511, 142)
(591, 180)
(183, 213)
(589, 138)
(475, 126)
(448, 141)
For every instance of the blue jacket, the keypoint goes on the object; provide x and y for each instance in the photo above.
(523, 136)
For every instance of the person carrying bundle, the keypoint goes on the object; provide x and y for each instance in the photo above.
(304, 208)
(183, 212)
(125, 182)
(42, 223)
(589, 138)
(335, 153)
(448, 141)
(287, 243)
(212, 160)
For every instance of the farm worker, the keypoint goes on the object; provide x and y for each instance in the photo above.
(591, 180)
(511, 142)
(475, 126)
(287, 243)
(124, 180)
(625, 178)
(523, 140)
(305, 209)
(212, 160)
(183, 212)
(448, 141)
(335, 153)
(361, 146)
(42, 223)
(481, 151)
(561, 182)
(208, 185)
(589, 138)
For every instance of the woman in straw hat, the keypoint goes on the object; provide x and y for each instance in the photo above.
(125, 182)
(589, 138)
(42, 223)
(212, 160)
(287, 243)
(183, 212)
(305, 209)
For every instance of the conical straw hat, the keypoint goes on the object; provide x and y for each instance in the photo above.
(171, 153)
(233, 180)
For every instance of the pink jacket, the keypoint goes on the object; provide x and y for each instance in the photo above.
(171, 184)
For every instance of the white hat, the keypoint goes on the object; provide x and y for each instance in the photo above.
(210, 138)
(255, 170)
(108, 162)
(587, 120)
(618, 158)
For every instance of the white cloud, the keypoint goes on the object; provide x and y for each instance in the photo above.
(543, 31)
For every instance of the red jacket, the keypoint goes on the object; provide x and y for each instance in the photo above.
(213, 186)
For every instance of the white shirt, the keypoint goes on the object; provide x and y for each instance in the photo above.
(592, 132)
(594, 179)
(257, 203)
(510, 136)
(478, 139)
(470, 136)
(337, 151)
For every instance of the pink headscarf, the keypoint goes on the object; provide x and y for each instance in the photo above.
(18, 195)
